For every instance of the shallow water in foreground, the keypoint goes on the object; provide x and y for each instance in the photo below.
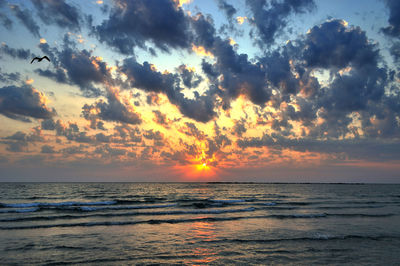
(199, 223)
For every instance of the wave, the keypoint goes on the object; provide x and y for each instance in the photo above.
(181, 220)
(350, 207)
(228, 201)
(56, 204)
(311, 238)
(209, 203)
(19, 210)
(126, 207)
(161, 213)
(107, 223)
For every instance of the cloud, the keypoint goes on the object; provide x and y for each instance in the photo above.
(395, 51)
(9, 77)
(239, 75)
(6, 21)
(133, 23)
(228, 9)
(334, 44)
(26, 18)
(83, 69)
(354, 149)
(47, 149)
(115, 109)
(19, 141)
(145, 77)
(77, 67)
(57, 75)
(271, 18)
(161, 119)
(62, 14)
(20, 103)
(394, 19)
(15, 53)
(189, 77)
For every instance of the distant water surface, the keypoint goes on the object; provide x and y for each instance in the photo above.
(198, 224)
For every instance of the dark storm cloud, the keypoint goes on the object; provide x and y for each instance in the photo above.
(394, 18)
(112, 110)
(83, 69)
(47, 149)
(108, 151)
(154, 135)
(352, 148)
(333, 44)
(240, 76)
(50, 52)
(239, 127)
(58, 12)
(71, 131)
(270, 17)
(228, 9)
(19, 141)
(9, 77)
(278, 72)
(48, 124)
(133, 23)
(15, 53)
(77, 67)
(192, 130)
(57, 75)
(143, 76)
(6, 21)
(209, 70)
(20, 103)
(189, 78)
(25, 16)
(161, 118)
(395, 51)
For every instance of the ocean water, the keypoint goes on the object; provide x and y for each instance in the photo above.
(199, 224)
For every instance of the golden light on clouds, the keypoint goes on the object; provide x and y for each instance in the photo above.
(200, 50)
(182, 2)
(42, 40)
(241, 20)
(29, 81)
(344, 22)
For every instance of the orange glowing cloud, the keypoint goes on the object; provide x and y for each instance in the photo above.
(241, 20)
(200, 50)
(182, 2)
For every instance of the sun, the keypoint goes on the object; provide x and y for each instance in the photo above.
(199, 168)
(202, 167)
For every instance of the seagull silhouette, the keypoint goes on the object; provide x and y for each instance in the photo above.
(40, 59)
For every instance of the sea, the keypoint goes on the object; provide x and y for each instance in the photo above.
(199, 224)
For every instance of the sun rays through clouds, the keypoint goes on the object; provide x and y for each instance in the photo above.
(199, 90)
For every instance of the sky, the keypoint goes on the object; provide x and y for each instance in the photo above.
(200, 90)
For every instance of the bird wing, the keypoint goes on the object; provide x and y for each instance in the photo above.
(45, 57)
(34, 59)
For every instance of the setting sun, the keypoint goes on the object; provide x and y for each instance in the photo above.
(203, 167)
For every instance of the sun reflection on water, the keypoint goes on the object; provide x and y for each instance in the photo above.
(202, 231)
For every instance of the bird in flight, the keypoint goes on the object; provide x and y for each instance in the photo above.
(40, 59)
